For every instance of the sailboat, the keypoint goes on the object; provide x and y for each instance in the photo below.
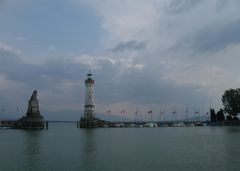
(162, 119)
(187, 123)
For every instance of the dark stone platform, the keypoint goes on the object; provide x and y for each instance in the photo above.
(30, 123)
(92, 123)
(33, 118)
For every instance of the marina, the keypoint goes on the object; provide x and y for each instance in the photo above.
(34, 120)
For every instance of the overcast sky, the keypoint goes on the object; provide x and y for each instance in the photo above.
(147, 54)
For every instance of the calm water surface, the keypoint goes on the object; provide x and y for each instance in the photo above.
(64, 147)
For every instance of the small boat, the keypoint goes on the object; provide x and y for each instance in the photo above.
(150, 125)
(178, 124)
(200, 124)
(132, 125)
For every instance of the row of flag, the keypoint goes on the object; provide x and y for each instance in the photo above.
(124, 112)
(149, 112)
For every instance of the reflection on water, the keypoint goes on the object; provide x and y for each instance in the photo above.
(89, 154)
(64, 147)
(231, 144)
(32, 148)
(232, 129)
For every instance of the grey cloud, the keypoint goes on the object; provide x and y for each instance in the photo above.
(209, 39)
(48, 77)
(8, 57)
(145, 87)
(150, 88)
(216, 38)
(17, 70)
(2, 2)
(12, 66)
(221, 5)
(178, 6)
(130, 45)
(113, 84)
(51, 72)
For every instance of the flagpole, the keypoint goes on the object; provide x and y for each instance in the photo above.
(186, 114)
(123, 112)
(151, 116)
(174, 118)
(110, 114)
(150, 112)
(17, 110)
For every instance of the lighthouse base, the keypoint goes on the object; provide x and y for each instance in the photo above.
(91, 123)
(30, 123)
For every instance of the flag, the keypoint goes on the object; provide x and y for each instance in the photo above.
(150, 111)
(123, 112)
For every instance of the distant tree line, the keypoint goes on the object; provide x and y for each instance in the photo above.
(231, 103)
(217, 117)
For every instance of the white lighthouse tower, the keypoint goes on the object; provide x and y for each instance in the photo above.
(89, 108)
(89, 120)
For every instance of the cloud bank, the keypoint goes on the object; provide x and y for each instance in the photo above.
(154, 54)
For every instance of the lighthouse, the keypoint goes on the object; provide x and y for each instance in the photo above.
(88, 120)
(89, 108)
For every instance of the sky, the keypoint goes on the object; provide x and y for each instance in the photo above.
(144, 54)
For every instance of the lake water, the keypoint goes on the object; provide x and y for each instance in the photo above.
(64, 147)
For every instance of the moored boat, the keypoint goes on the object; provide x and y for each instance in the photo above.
(200, 124)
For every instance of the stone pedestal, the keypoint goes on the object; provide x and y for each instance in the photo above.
(91, 123)
(33, 118)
